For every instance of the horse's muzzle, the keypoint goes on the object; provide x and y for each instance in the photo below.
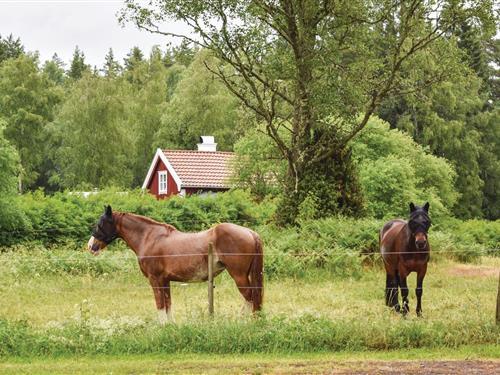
(421, 244)
(93, 246)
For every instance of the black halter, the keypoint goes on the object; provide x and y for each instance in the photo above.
(416, 226)
(104, 237)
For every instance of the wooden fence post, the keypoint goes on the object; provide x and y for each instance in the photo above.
(498, 300)
(210, 280)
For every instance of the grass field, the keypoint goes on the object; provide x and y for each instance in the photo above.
(61, 294)
(70, 312)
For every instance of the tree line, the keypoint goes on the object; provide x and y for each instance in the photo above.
(295, 87)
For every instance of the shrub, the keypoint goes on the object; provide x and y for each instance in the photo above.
(66, 216)
(395, 170)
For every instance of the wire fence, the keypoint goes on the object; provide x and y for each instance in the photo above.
(349, 253)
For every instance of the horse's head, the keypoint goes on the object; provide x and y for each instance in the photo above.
(419, 224)
(104, 232)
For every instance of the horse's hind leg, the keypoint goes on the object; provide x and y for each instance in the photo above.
(245, 288)
(388, 290)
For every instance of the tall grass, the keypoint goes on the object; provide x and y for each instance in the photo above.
(263, 335)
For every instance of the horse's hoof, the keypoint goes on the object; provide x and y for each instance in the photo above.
(397, 308)
(405, 310)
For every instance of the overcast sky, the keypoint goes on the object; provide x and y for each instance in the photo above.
(57, 26)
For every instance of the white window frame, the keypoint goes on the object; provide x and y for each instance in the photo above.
(162, 182)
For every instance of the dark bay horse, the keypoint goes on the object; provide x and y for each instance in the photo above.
(166, 254)
(405, 248)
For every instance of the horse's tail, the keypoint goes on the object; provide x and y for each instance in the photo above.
(256, 274)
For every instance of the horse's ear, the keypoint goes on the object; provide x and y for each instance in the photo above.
(412, 207)
(108, 210)
(426, 207)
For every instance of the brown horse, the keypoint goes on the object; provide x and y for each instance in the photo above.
(166, 254)
(405, 248)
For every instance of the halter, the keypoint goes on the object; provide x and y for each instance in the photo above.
(106, 238)
(422, 228)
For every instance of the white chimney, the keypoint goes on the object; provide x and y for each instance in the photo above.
(207, 143)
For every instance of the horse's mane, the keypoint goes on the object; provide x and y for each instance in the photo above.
(146, 220)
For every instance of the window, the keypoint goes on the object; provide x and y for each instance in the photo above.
(162, 182)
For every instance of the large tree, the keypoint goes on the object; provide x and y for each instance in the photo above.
(200, 105)
(317, 68)
(27, 103)
(9, 165)
(455, 119)
(94, 149)
(149, 92)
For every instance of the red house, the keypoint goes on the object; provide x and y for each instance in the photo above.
(186, 172)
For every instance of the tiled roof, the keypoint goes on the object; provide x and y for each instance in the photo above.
(201, 169)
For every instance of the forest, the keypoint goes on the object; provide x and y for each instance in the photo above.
(431, 134)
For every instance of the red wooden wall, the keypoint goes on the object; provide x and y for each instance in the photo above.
(153, 183)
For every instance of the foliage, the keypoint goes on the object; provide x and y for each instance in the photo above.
(201, 105)
(445, 95)
(27, 103)
(10, 48)
(10, 217)
(394, 170)
(455, 118)
(111, 66)
(93, 146)
(320, 68)
(66, 217)
(134, 57)
(146, 105)
(78, 66)
(54, 69)
(9, 165)
(257, 165)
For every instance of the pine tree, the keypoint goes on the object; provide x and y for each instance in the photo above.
(78, 65)
(111, 66)
(134, 57)
(10, 48)
(470, 42)
(54, 68)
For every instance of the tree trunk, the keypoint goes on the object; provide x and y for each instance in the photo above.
(324, 189)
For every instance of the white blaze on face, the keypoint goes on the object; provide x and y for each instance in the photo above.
(90, 243)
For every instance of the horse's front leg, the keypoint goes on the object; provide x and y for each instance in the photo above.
(403, 274)
(168, 300)
(159, 299)
(391, 291)
(419, 290)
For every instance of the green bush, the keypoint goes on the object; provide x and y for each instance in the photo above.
(65, 216)
(395, 170)
(337, 245)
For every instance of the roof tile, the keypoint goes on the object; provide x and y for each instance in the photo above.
(201, 169)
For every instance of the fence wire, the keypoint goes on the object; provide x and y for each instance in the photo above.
(99, 257)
